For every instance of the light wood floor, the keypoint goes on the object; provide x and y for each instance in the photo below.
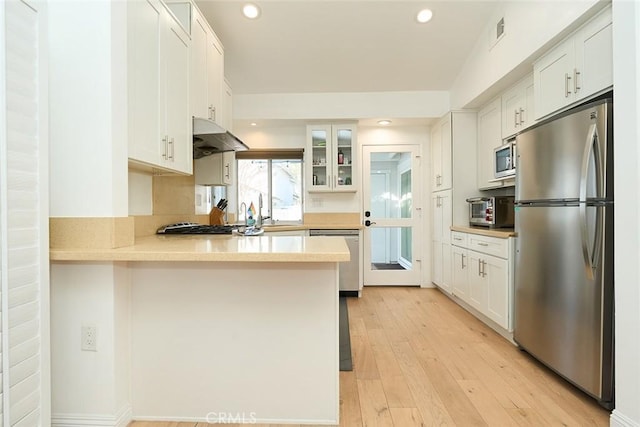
(421, 360)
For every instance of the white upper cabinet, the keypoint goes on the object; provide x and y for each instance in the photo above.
(594, 55)
(333, 158)
(577, 68)
(158, 64)
(199, 95)
(215, 80)
(145, 21)
(227, 107)
(441, 155)
(175, 88)
(517, 107)
(216, 169)
(489, 138)
(207, 70)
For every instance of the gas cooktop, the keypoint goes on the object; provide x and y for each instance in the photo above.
(194, 228)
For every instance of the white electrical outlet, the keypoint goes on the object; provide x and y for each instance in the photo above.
(88, 338)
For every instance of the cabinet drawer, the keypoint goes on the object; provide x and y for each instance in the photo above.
(489, 245)
(459, 239)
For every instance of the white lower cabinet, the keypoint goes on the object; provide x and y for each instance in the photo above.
(440, 239)
(482, 279)
(460, 272)
(495, 273)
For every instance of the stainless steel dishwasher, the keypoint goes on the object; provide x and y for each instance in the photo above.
(349, 270)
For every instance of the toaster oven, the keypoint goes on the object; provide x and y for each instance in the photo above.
(492, 212)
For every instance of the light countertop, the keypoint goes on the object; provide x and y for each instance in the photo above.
(302, 227)
(501, 233)
(216, 248)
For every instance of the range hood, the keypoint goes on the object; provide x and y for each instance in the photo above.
(209, 138)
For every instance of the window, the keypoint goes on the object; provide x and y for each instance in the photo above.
(277, 176)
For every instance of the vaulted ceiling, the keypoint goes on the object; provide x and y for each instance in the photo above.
(307, 46)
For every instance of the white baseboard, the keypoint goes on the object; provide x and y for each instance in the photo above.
(121, 419)
(618, 419)
(248, 419)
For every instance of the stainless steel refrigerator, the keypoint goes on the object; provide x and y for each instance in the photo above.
(564, 246)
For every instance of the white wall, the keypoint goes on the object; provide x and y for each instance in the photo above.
(334, 106)
(140, 191)
(88, 387)
(284, 136)
(626, 59)
(88, 108)
(530, 28)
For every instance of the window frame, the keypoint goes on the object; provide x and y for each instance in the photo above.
(269, 156)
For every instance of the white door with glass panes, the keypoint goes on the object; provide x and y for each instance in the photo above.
(392, 215)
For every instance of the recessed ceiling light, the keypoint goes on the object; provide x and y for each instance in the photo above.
(251, 11)
(424, 15)
(384, 122)
(253, 124)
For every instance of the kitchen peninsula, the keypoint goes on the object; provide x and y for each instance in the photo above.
(221, 327)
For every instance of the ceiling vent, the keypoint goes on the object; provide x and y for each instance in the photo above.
(499, 29)
(496, 33)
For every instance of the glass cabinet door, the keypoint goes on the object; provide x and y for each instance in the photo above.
(344, 157)
(320, 138)
(332, 154)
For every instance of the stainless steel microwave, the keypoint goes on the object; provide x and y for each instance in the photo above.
(504, 160)
(492, 212)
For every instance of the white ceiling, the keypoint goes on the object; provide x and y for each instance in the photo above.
(306, 46)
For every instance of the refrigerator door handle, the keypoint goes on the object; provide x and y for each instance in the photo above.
(596, 251)
(591, 252)
(588, 265)
(592, 145)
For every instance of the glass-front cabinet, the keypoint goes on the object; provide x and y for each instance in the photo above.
(331, 158)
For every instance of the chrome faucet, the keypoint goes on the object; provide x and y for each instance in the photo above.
(259, 219)
(243, 209)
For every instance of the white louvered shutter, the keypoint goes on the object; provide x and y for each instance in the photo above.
(21, 228)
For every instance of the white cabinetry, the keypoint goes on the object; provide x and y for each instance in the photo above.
(580, 66)
(517, 107)
(227, 107)
(454, 142)
(489, 137)
(332, 156)
(215, 79)
(207, 70)
(460, 266)
(440, 239)
(483, 275)
(216, 169)
(158, 62)
(441, 147)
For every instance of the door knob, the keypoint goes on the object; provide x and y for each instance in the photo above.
(368, 223)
